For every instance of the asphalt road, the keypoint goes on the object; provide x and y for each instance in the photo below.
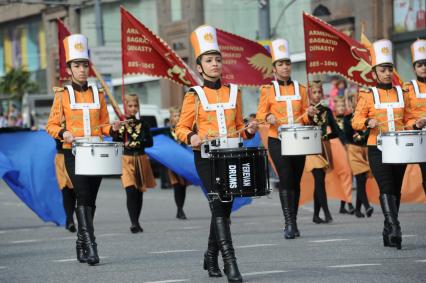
(171, 250)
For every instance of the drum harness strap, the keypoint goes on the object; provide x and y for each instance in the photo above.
(288, 99)
(219, 108)
(85, 106)
(417, 90)
(389, 106)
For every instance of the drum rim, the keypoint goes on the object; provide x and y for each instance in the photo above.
(403, 133)
(238, 149)
(97, 144)
(298, 128)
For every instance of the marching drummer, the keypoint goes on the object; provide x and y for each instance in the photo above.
(137, 174)
(83, 109)
(213, 110)
(416, 102)
(178, 182)
(381, 108)
(355, 142)
(285, 102)
(319, 164)
(66, 187)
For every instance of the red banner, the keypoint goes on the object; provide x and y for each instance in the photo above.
(245, 62)
(62, 33)
(331, 51)
(145, 53)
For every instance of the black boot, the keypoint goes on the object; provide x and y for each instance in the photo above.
(224, 241)
(210, 256)
(81, 255)
(392, 236)
(68, 197)
(358, 212)
(289, 230)
(351, 209)
(85, 227)
(295, 209)
(180, 214)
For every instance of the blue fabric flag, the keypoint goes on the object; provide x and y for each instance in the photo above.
(180, 160)
(27, 166)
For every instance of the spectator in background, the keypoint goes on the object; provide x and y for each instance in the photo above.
(252, 117)
(334, 92)
(12, 121)
(3, 120)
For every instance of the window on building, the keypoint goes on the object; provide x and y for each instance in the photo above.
(409, 15)
(176, 10)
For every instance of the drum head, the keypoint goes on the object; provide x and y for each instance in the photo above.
(402, 133)
(98, 144)
(298, 128)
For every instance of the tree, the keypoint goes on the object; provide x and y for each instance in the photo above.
(16, 83)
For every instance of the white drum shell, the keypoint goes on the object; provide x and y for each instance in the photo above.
(300, 140)
(403, 147)
(98, 158)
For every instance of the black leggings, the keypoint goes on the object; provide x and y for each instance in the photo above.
(217, 208)
(289, 168)
(361, 195)
(320, 194)
(180, 194)
(134, 203)
(389, 177)
(85, 187)
(423, 168)
(68, 197)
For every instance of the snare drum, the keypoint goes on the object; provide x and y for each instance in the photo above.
(300, 140)
(239, 172)
(402, 146)
(97, 158)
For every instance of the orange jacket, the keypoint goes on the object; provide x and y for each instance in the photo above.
(415, 108)
(365, 110)
(61, 112)
(269, 105)
(194, 120)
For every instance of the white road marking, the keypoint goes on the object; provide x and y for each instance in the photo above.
(173, 251)
(3, 267)
(264, 272)
(354, 265)
(169, 281)
(328, 240)
(420, 260)
(307, 208)
(25, 241)
(255, 246)
(408, 236)
(73, 259)
(110, 235)
(191, 227)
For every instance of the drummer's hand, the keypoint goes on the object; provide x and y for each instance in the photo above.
(116, 125)
(271, 119)
(195, 140)
(421, 123)
(312, 111)
(252, 127)
(68, 137)
(372, 123)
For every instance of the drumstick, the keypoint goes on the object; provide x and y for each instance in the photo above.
(381, 123)
(110, 124)
(315, 106)
(227, 134)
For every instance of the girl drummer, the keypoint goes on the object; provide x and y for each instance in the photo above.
(83, 108)
(208, 111)
(285, 102)
(318, 164)
(179, 183)
(416, 101)
(137, 173)
(382, 110)
(355, 142)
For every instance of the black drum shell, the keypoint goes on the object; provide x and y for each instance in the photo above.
(240, 172)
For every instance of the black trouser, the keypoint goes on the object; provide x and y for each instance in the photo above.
(361, 194)
(289, 168)
(389, 177)
(218, 208)
(85, 187)
(423, 169)
(134, 203)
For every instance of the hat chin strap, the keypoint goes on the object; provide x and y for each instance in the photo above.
(204, 73)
